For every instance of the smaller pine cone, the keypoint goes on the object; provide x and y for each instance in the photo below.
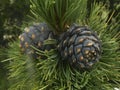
(35, 36)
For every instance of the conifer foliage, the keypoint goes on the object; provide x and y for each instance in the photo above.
(51, 72)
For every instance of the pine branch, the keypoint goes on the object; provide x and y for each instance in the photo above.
(62, 13)
(53, 73)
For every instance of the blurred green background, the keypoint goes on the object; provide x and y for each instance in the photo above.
(13, 14)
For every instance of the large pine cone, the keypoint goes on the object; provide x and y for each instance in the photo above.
(80, 46)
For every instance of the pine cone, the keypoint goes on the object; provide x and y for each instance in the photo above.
(35, 36)
(80, 46)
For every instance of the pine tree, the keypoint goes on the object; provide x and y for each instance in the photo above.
(53, 73)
